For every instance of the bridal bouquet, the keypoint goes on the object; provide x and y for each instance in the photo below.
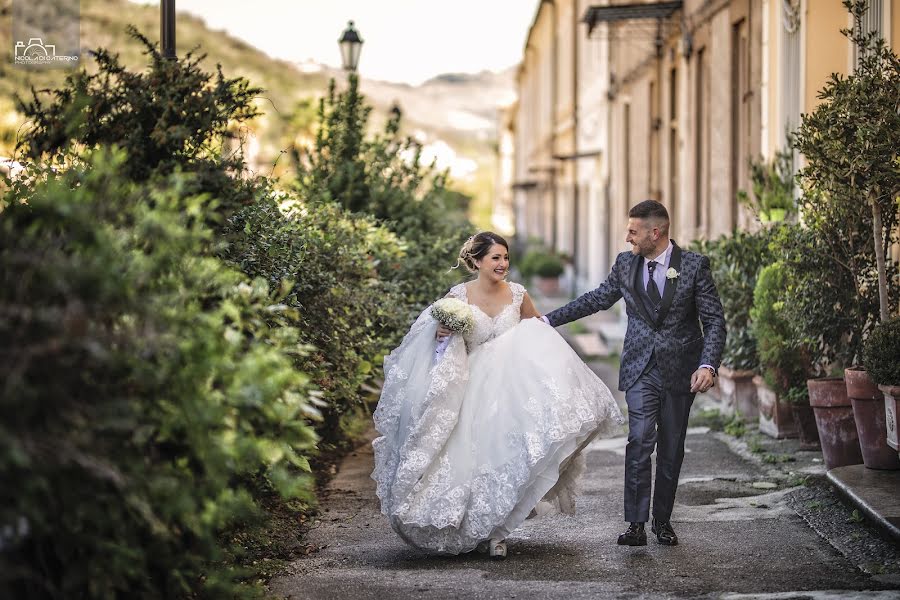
(455, 315)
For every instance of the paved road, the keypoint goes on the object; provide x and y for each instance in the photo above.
(739, 536)
(738, 518)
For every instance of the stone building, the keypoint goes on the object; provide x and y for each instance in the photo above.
(622, 101)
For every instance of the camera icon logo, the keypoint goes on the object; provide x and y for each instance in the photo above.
(35, 50)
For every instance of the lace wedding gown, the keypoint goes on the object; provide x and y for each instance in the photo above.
(490, 435)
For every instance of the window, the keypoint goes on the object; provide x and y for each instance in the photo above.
(872, 22)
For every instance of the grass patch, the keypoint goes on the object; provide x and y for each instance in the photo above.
(798, 480)
(773, 459)
(736, 427)
(708, 417)
(577, 328)
(755, 446)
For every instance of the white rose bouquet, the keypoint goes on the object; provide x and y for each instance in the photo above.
(455, 315)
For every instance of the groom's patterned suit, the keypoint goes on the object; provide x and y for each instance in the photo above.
(664, 345)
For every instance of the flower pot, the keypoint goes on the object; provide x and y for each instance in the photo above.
(806, 425)
(871, 422)
(549, 286)
(775, 416)
(739, 392)
(834, 420)
(891, 396)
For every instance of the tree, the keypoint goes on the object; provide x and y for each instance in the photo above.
(383, 176)
(852, 173)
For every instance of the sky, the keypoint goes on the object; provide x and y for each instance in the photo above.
(405, 41)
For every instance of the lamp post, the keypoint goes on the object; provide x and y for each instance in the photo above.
(350, 44)
(167, 28)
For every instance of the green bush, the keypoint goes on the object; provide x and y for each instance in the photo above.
(772, 185)
(382, 176)
(881, 353)
(823, 303)
(146, 395)
(347, 312)
(174, 116)
(541, 262)
(736, 261)
(782, 358)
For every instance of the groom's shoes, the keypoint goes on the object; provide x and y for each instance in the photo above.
(665, 535)
(634, 536)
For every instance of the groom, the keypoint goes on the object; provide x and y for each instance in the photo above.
(667, 358)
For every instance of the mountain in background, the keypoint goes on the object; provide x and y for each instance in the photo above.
(452, 115)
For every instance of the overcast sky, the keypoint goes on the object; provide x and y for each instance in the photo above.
(405, 40)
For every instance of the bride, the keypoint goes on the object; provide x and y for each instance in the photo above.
(491, 433)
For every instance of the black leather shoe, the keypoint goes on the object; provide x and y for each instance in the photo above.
(634, 536)
(665, 535)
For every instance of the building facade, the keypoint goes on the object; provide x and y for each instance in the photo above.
(623, 101)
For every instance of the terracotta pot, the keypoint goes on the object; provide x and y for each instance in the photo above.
(549, 286)
(806, 425)
(739, 392)
(860, 385)
(871, 421)
(775, 417)
(891, 399)
(834, 419)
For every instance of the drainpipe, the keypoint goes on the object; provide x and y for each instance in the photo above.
(554, 83)
(575, 195)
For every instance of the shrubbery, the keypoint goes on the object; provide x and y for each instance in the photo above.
(383, 177)
(145, 394)
(541, 262)
(881, 352)
(736, 262)
(170, 328)
(345, 310)
(784, 362)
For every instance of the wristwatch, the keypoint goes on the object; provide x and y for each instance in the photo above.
(711, 370)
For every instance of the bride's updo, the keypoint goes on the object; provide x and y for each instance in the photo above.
(476, 247)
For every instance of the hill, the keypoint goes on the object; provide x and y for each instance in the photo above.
(452, 115)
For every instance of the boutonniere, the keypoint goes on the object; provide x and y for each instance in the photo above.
(671, 273)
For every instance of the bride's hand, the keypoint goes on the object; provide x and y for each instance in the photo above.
(443, 332)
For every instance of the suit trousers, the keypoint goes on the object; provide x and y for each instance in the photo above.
(657, 418)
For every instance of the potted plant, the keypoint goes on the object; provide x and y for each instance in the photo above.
(772, 183)
(545, 266)
(548, 270)
(782, 358)
(843, 279)
(736, 260)
(824, 312)
(880, 357)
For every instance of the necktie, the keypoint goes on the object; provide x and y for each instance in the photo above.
(652, 289)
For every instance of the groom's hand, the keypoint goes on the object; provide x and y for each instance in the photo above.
(443, 332)
(702, 380)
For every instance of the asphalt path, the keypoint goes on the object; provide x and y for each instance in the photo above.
(739, 536)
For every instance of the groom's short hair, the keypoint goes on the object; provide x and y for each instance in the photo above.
(653, 211)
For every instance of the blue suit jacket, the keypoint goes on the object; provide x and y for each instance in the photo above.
(674, 333)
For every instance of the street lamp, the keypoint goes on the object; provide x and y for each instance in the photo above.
(167, 28)
(350, 44)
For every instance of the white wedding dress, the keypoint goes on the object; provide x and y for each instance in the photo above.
(490, 435)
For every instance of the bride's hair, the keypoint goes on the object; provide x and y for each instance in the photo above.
(477, 247)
